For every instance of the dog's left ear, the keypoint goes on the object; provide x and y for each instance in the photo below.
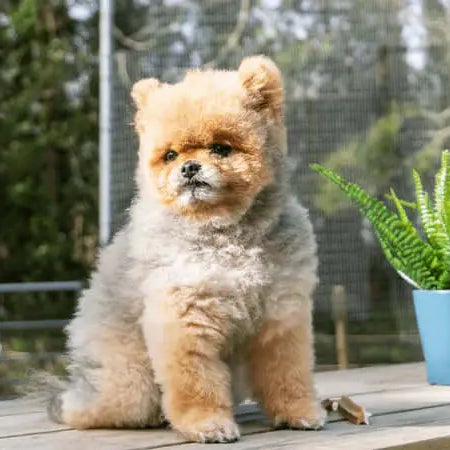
(263, 83)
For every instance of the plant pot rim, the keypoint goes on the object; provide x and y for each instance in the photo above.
(437, 291)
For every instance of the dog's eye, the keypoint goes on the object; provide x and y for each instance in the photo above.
(171, 155)
(221, 149)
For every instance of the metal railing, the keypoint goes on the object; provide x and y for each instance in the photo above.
(43, 286)
(8, 383)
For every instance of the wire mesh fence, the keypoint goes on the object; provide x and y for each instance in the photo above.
(365, 85)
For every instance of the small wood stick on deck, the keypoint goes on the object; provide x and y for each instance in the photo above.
(348, 409)
(353, 412)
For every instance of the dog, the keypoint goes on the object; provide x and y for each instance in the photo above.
(204, 298)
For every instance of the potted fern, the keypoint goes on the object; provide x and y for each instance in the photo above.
(423, 262)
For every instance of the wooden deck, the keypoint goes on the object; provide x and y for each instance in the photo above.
(405, 409)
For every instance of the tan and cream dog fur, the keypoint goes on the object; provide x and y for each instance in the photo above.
(204, 298)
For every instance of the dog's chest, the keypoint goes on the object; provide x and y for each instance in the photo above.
(199, 284)
(232, 269)
(231, 274)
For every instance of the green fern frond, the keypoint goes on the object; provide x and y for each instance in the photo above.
(432, 220)
(408, 253)
(399, 240)
(424, 207)
(409, 262)
(404, 203)
(442, 192)
(399, 206)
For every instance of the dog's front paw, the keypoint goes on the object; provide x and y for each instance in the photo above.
(308, 415)
(215, 428)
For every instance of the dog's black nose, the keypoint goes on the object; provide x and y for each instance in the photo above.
(190, 168)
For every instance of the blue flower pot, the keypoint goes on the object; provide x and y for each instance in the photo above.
(433, 319)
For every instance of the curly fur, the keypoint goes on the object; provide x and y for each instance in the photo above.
(205, 295)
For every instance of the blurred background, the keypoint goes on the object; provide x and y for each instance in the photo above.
(368, 94)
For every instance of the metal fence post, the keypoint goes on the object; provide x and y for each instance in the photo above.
(105, 63)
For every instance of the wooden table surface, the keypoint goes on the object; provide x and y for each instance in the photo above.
(407, 414)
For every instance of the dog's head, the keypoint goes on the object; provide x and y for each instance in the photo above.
(208, 144)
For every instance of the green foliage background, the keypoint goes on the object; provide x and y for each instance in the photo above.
(48, 149)
(48, 168)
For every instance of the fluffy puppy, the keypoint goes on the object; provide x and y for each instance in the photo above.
(205, 295)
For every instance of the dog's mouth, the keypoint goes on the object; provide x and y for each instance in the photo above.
(197, 190)
(193, 184)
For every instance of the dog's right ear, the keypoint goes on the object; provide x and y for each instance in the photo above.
(263, 84)
(141, 90)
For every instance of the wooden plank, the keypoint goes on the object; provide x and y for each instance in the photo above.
(37, 421)
(371, 379)
(380, 389)
(92, 439)
(387, 430)
(435, 444)
(32, 423)
(103, 439)
(345, 382)
(406, 399)
(150, 438)
(18, 406)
